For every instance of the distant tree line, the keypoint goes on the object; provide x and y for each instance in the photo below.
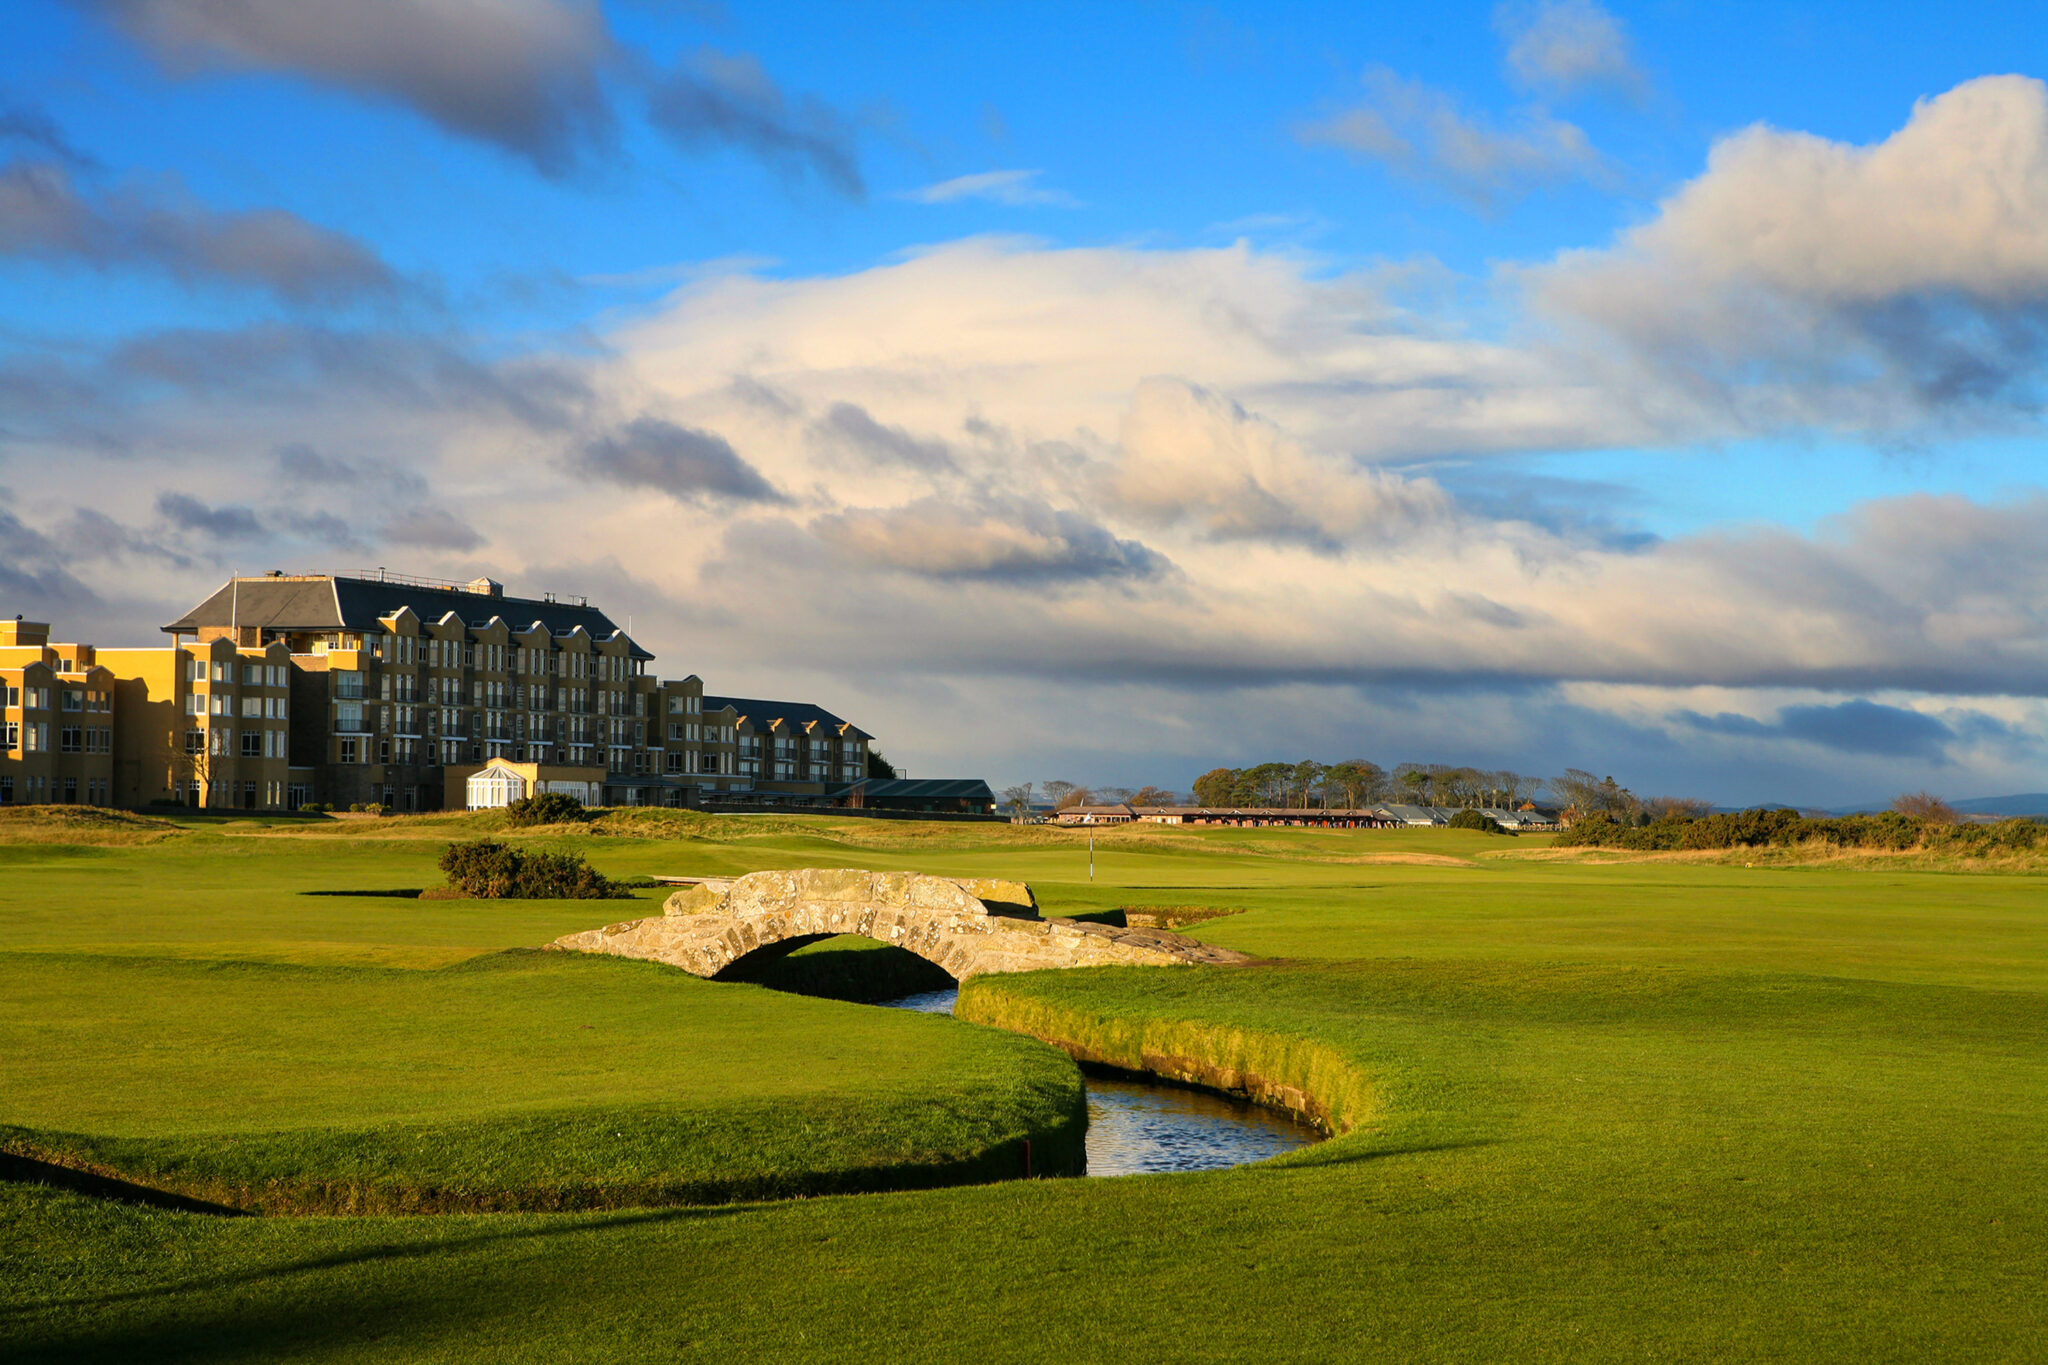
(1893, 829)
(1357, 782)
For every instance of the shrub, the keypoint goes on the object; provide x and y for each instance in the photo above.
(547, 808)
(373, 808)
(1891, 830)
(490, 870)
(355, 807)
(1479, 820)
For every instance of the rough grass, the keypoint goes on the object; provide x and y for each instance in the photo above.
(1604, 1112)
(91, 825)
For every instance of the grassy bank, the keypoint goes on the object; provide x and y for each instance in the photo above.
(1594, 1112)
(535, 1081)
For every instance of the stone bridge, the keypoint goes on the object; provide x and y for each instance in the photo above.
(968, 927)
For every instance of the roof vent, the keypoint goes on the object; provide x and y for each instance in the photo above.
(485, 587)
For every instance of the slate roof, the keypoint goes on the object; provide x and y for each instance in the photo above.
(797, 713)
(928, 789)
(338, 603)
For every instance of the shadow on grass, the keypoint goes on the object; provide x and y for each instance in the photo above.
(372, 1256)
(28, 1170)
(411, 893)
(1340, 1153)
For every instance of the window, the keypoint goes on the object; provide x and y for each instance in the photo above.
(195, 703)
(351, 751)
(195, 741)
(708, 763)
(37, 733)
(6, 791)
(195, 670)
(383, 751)
(9, 695)
(252, 675)
(10, 734)
(221, 704)
(223, 742)
(223, 673)
(70, 739)
(252, 744)
(348, 683)
(252, 707)
(73, 701)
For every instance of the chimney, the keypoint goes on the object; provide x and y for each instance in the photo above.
(20, 632)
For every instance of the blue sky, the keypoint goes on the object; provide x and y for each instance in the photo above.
(1430, 384)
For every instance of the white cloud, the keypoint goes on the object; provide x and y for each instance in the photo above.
(1422, 132)
(1801, 280)
(1563, 46)
(1015, 188)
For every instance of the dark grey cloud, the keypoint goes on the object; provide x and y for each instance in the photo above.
(1006, 540)
(302, 464)
(324, 527)
(686, 463)
(24, 123)
(848, 426)
(33, 576)
(1853, 727)
(295, 364)
(717, 99)
(89, 534)
(523, 75)
(431, 528)
(228, 522)
(45, 215)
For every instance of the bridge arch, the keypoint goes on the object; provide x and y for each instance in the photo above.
(965, 927)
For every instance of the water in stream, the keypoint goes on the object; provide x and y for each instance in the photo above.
(1136, 1126)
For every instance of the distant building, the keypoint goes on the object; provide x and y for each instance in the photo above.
(930, 795)
(286, 689)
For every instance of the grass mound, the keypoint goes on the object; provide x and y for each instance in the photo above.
(519, 1081)
(80, 825)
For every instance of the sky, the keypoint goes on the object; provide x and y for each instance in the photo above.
(1103, 393)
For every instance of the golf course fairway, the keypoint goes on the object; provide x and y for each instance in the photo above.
(1585, 1108)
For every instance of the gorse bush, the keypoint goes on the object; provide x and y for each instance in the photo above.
(545, 808)
(1890, 830)
(1479, 820)
(490, 870)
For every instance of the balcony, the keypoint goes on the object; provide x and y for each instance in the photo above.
(348, 691)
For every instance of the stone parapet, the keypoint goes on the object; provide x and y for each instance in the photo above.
(968, 927)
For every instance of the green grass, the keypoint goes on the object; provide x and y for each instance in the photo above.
(1596, 1111)
(534, 1080)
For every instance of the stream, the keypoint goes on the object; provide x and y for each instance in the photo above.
(1138, 1127)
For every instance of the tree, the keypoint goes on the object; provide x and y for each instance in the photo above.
(1217, 787)
(1154, 796)
(1676, 807)
(1304, 782)
(1266, 784)
(1356, 781)
(1926, 806)
(1018, 798)
(1110, 796)
(1056, 792)
(1584, 794)
(1414, 782)
(879, 768)
(1078, 796)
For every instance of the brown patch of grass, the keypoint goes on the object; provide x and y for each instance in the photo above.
(81, 825)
